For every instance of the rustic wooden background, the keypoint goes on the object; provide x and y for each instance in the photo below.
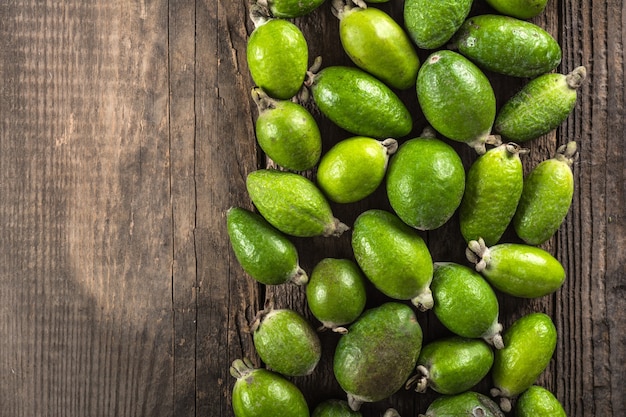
(127, 131)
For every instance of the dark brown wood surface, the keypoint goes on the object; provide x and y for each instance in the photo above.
(126, 132)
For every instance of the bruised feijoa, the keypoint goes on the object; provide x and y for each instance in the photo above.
(493, 188)
(425, 182)
(336, 293)
(376, 43)
(517, 269)
(263, 252)
(457, 99)
(452, 365)
(465, 303)
(376, 356)
(507, 45)
(334, 408)
(540, 106)
(354, 168)
(292, 203)
(467, 404)
(521, 9)
(287, 132)
(286, 342)
(528, 347)
(289, 9)
(393, 256)
(259, 392)
(538, 401)
(546, 197)
(431, 24)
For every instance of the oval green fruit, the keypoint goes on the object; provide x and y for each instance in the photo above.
(261, 393)
(336, 293)
(334, 408)
(540, 106)
(354, 168)
(377, 44)
(431, 24)
(546, 197)
(521, 9)
(360, 103)
(393, 257)
(467, 404)
(493, 188)
(377, 355)
(287, 132)
(286, 342)
(425, 182)
(457, 99)
(507, 45)
(292, 204)
(516, 269)
(538, 401)
(289, 9)
(262, 251)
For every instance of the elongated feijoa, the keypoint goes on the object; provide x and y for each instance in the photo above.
(457, 99)
(393, 257)
(334, 408)
(546, 197)
(517, 269)
(292, 203)
(263, 252)
(538, 401)
(289, 9)
(467, 404)
(354, 168)
(431, 24)
(540, 106)
(377, 355)
(261, 393)
(528, 347)
(521, 9)
(493, 188)
(507, 45)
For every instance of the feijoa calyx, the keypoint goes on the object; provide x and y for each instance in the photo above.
(467, 404)
(431, 24)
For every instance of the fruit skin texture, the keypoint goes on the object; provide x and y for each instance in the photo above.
(262, 251)
(377, 44)
(456, 98)
(540, 106)
(354, 168)
(493, 188)
(360, 103)
(286, 342)
(508, 46)
(431, 24)
(425, 182)
(538, 401)
(292, 204)
(288, 9)
(521, 9)
(467, 404)
(334, 408)
(262, 393)
(393, 257)
(374, 359)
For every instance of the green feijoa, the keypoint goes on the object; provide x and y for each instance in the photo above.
(540, 106)
(493, 188)
(278, 56)
(507, 45)
(457, 99)
(261, 393)
(376, 43)
(425, 182)
(528, 347)
(431, 24)
(452, 365)
(393, 257)
(465, 303)
(286, 342)
(292, 203)
(521, 9)
(538, 401)
(359, 103)
(287, 132)
(376, 356)
(336, 293)
(354, 168)
(334, 408)
(289, 9)
(546, 197)
(263, 252)
(517, 269)
(467, 404)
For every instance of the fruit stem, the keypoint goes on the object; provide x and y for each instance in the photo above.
(424, 301)
(478, 253)
(479, 144)
(567, 153)
(340, 8)
(515, 149)
(354, 403)
(428, 132)
(261, 99)
(312, 71)
(241, 368)
(391, 145)
(336, 229)
(576, 78)
(261, 314)
(391, 412)
(493, 336)
(259, 13)
(299, 277)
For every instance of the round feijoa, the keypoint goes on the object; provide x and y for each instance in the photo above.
(538, 401)
(431, 24)
(467, 404)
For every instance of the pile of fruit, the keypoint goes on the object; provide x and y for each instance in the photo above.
(381, 350)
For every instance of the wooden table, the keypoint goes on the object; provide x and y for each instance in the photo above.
(127, 131)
